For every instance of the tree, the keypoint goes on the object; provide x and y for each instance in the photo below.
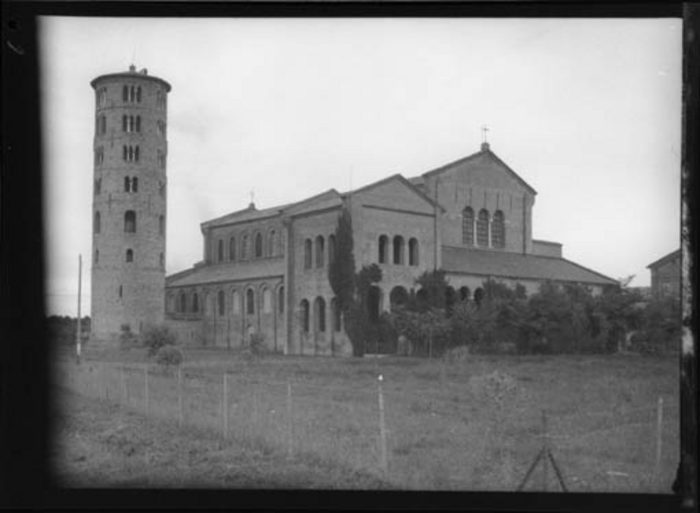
(341, 271)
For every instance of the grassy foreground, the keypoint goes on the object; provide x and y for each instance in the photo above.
(472, 425)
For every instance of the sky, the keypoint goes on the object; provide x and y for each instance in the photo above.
(587, 111)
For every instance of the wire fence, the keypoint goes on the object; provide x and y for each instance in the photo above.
(479, 438)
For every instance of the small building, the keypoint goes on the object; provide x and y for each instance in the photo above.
(666, 276)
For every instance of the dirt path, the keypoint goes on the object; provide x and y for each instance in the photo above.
(101, 445)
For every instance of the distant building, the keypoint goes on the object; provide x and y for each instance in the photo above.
(666, 276)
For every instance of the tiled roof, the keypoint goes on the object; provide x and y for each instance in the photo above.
(247, 214)
(516, 265)
(219, 273)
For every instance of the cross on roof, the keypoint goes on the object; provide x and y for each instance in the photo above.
(484, 132)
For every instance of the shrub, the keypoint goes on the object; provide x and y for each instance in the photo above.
(127, 339)
(168, 355)
(156, 337)
(257, 344)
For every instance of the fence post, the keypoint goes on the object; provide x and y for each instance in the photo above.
(125, 395)
(145, 386)
(382, 427)
(290, 440)
(545, 450)
(179, 397)
(225, 405)
(659, 431)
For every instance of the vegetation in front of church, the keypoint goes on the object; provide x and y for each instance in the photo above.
(156, 337)
(557, 319)
(61, 329)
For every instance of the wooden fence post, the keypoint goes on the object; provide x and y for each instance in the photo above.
(382, 427)
(145, 386)
(545, 449)
(179, 397)
(659, 432)
(290, 440)
(225, 405)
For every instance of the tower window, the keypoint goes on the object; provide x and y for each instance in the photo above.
(101, 125)
(129, 255)
(97, 256)
(98, 186)
(161, 159)
(101, 96)
(138, 123)
(120, 291)
(127, 184)
(280, 300)
(162, 261)
(125, 93)
(99, 155)
(96, 223)
(134, 184)
(130, 153)
(161, 127)
(130, 221)
(161, 225)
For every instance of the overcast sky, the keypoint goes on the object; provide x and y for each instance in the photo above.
(587, 111)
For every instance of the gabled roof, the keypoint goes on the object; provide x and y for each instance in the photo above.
(219, 273)
(517, 265)
(403, 180)
(484, 152)
(671, 256)
(247, 214)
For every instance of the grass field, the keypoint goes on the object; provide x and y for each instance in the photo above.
(473, 425)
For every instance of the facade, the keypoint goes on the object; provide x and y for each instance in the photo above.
(264, 272)
(666, 276)
(129, 202)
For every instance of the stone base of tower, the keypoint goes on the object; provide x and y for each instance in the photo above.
(100, 342)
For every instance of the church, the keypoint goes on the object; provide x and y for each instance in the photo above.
(264, 272)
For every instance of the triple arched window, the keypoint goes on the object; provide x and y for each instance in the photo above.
(489, 231)
(131, 94)
(130, 153)
(394, 250)
(131, 184)
(131, 123)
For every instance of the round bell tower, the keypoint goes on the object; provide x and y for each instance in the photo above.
(129, 203)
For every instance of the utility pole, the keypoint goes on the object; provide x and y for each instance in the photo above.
(77, 331)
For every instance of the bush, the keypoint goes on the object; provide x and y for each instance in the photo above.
(257, 344)
(156, 337)
(168, 355)
(127, 339)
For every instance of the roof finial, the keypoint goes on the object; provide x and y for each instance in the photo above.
(484, 138)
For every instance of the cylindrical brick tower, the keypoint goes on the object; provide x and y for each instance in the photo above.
(129, 205)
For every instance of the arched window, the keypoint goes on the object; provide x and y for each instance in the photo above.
(102, 125)
(162, 261)
(129, 255)
(468, 226)
(232, 249)
(271, 239)
(320, 251)
(398, 296)
(220, 250)
(125, 153)
(413, 252)
(97, 256)
(138, 123)
(125, 94)
(383, 244)
(280, 300)
(336, 313)
(161, 223)
(307, 253)
(258, 245)
(97, 224)
(134, 184)
(98, 186)
(398, 250)
(130, 221)
(332, 249)
(267, 301)
(125, 123)
(183, 303)
(221, 300)
(138, 94)
(250, 302)
(244, 247)
(304, 307)
(320, 314)
(127, 184)
(498, 230)
(195, 303)
(482, 228)
(136, 154)
(236, 302)
(464, 293)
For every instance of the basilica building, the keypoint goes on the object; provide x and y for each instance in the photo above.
(264, 272)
